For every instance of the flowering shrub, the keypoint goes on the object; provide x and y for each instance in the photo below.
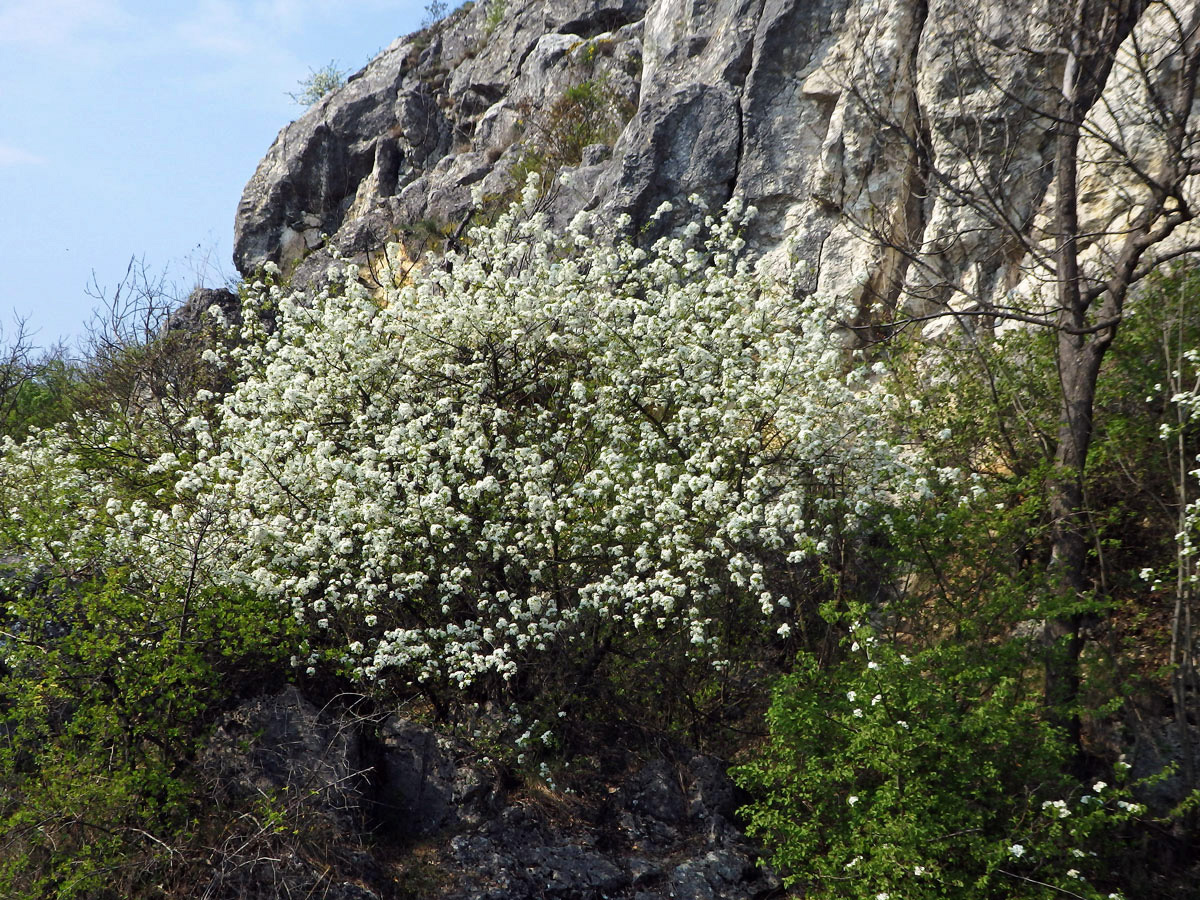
(926, 776)
(532, 453)
(116, 646)
(543, 441)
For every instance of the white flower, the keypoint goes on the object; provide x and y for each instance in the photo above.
(1017, 850)
(1073, 873)
(852, 799)
(1056, 808)
(1099, 786)
(918, 870)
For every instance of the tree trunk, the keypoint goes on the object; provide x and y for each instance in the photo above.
(1078, 355)
(1079, 366)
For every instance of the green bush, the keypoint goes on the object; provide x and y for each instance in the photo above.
(927, 776)
(116, 650)
(318, 83)
(920, 759)
(106, 692)
(44, 397)
(589, 112)
(497, 10)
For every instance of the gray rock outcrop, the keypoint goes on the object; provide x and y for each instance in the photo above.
(902, 146)
(284, 744)
(191, 316)
(351, 794)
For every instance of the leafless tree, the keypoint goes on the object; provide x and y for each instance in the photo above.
(135, 362)
(16, 366)
(1111, 84)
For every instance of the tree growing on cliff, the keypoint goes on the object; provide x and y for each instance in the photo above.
(1112, 85)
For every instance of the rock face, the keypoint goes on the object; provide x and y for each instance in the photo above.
(665, 833)
(865, 132)
(190, 316)
(437, 114)
(362, 804)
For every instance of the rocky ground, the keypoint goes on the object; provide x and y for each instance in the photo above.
(383, 807)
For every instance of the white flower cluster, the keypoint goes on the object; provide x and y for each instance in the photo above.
(533, 440)
(1185, 404)
(84, 500)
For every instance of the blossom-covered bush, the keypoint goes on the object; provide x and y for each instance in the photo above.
(540, 441)
(530, 451)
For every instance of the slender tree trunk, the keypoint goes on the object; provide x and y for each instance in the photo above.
(1079, 363)
(1078, 354)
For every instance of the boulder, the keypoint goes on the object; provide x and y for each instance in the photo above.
(284, 746)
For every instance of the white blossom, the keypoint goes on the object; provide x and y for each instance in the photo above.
(1056, 808)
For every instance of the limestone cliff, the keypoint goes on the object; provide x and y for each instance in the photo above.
(904, 146)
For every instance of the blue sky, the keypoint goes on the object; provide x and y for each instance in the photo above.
(128, 129)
